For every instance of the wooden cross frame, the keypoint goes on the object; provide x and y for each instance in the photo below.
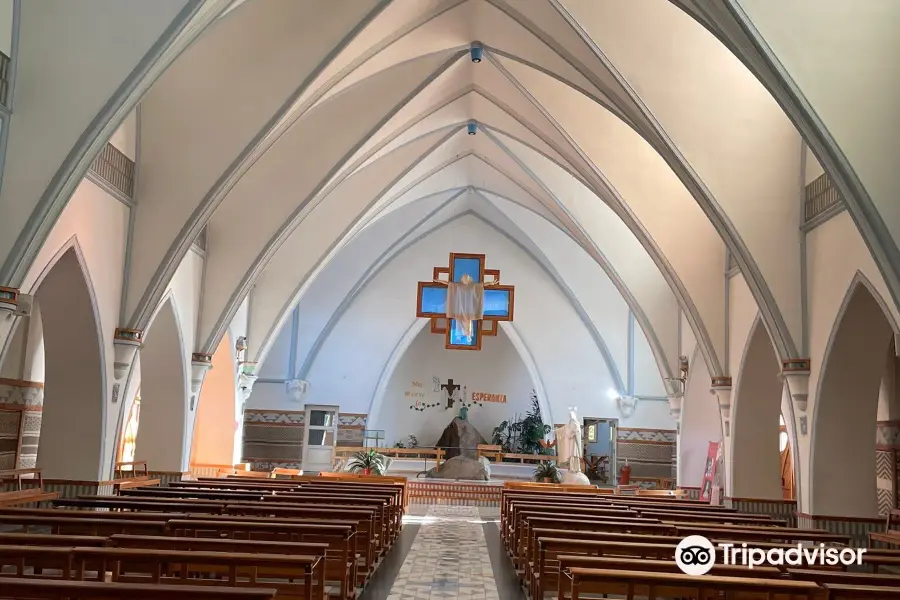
(431, 300)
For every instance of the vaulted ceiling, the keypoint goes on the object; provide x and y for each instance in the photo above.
(653, 135)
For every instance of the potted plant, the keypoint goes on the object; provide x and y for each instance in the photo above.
(367, 462)
(547, 472)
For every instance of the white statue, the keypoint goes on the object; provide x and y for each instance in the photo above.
(574, 433)
(571, 450)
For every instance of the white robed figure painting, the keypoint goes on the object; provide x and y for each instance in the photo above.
(570, 449)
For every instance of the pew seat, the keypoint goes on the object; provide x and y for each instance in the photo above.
(661, 585)
(39, 589)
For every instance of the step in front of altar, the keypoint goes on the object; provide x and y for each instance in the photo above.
(465, 493)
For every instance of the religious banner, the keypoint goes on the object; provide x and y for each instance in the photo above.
(465, 301)
(709, 472)
(485, 397)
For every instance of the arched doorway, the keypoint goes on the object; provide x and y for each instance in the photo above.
(843, 476)
(786, 461)
(71, 438)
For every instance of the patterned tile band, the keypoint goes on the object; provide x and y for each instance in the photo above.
(274, 438)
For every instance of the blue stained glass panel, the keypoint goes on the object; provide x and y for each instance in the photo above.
(463, 266)
(496, 303)
(461, 340)
(434, 300)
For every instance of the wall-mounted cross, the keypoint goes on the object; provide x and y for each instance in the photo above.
(450, 388)
(499, 300)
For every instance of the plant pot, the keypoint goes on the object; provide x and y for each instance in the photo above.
(367, 471)
(546, 480)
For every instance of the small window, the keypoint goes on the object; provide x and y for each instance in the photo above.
(782, 441)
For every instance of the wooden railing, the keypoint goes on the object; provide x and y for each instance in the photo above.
(116, 169)
(437, 454)
(821, 195)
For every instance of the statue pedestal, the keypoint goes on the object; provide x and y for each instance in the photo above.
(575, 478)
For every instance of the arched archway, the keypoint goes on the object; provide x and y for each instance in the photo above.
(214, 427)
(164, 393)
(842, 458)
(755, 464)
(71, 440)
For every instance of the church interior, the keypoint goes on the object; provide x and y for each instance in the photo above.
(437, 299)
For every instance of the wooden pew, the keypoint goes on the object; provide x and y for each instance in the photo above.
(92, 590)
(144, 565)
(526, 538)
(226, 545)
(85, 526)
(737, 518)
(198, 493)
(31, 492)
(641, 564)
(48, 539)
(130, 506)
(17, 560)
(655, 584)
(760, 534)
(341, 566)
(365, 566)
(839, 591)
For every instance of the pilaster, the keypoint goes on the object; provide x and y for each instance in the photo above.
(721, 387)
(126, 343)
(200, 364)
(796, 372)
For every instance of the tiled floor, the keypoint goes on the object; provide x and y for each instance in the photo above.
(449, 558)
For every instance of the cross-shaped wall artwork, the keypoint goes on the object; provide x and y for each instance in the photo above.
(494, 305)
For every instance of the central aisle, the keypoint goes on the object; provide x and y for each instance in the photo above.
(448, 558)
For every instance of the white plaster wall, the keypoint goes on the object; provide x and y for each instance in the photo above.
(125, 137)
(844, 58)
(6, 24)
(835, 253)
(349, 365)
(275, 366)
(811, 167)
(647, 378)
(99, 223)
(497, 369)
(742, 311)
(700, 424)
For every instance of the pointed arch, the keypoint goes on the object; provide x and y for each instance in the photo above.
(756, 405)
(163, 432)
(72, 440)
(842, 446)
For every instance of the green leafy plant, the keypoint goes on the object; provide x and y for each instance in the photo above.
(547, 471)
(367, 462)
(523, 435)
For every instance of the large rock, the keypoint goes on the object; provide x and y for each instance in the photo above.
(461, 467)
(460, 438)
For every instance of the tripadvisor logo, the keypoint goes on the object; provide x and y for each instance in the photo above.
(696, 555)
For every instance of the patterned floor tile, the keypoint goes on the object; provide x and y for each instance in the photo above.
(448, 559)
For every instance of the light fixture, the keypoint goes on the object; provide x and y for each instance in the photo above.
(472, 126)
(476, 50)
(612, 394)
